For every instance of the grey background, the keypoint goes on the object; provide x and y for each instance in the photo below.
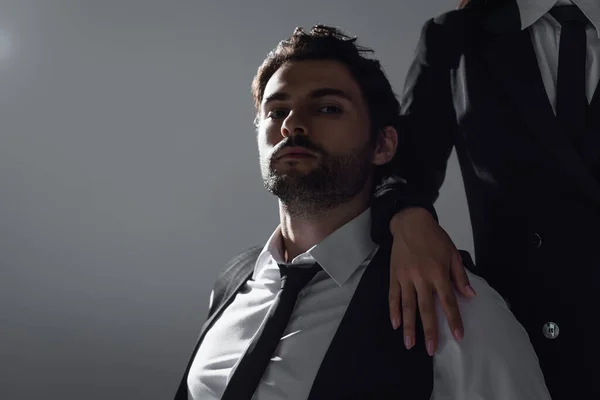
(129, 175)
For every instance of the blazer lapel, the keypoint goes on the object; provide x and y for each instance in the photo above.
(236, 283)
(210, 321)
(511, 58)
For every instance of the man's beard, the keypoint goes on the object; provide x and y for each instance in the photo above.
(336, 180)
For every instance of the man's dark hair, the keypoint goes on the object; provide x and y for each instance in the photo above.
(329, 43)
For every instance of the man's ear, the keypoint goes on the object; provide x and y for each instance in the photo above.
(387, 143)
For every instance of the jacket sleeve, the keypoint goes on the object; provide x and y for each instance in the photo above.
(426, 131)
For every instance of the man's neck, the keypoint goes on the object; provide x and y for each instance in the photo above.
(299, 234)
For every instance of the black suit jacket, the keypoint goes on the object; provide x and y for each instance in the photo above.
(366, 359)
(534, 201)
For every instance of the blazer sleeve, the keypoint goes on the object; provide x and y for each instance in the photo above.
(426, 130)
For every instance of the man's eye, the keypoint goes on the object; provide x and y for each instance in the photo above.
(330, 110)
(277, 113)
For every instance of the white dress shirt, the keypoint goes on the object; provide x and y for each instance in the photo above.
(495, 360)
(545, 35)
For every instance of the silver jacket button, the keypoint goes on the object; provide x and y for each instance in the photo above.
(551, 330)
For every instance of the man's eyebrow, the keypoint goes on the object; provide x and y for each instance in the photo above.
(317, 93)
(277, 96)
(323, 92)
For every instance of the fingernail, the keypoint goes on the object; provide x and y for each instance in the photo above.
(395, 323)
(408, 342)
(471, 291)
(430, 347)
(458, 334)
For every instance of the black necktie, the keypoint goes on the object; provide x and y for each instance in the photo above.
(253, 364)
(571, 100)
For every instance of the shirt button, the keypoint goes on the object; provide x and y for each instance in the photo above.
(536, 241)
(551, 330)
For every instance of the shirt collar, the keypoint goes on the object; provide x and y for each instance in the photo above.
(339, 254)
(532, 10)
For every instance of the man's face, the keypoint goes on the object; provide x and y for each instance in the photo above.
(315, 107)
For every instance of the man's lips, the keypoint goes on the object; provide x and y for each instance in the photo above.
(295, 153)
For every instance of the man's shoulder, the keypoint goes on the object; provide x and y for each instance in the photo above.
(487, 318)
(495, 359)
(488, 300)
(487, 296)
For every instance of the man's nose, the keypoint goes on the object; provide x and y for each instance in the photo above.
(295, 124)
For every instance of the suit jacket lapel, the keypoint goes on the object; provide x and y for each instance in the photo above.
(231, 292)
(210, 321)
(594, 111)
(511, 58)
